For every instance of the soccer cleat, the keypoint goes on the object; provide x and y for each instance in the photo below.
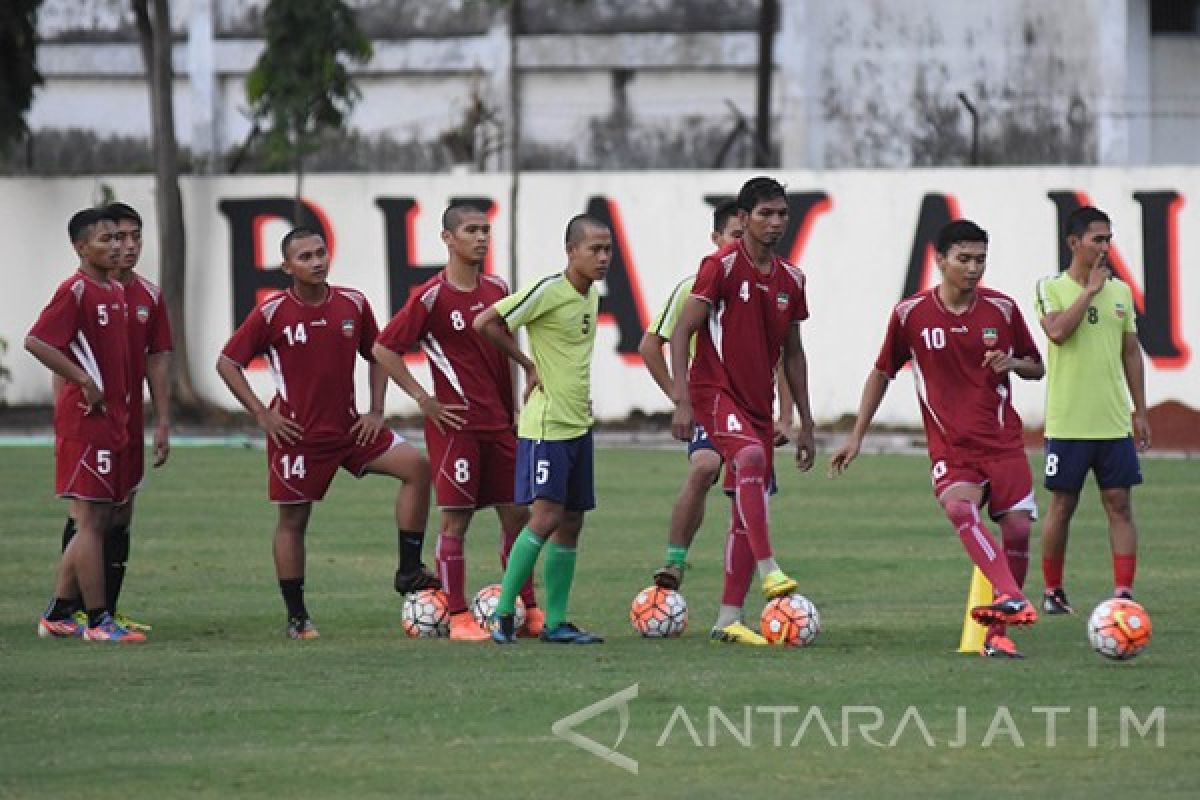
(1000, 647)
(669, 577)
(464, 628)
(302, 628)
(81, 618)
(130, 624)
(107, 630)
(1055, 602)
(569, 633)
(1007, 610)
(1123, 594)
(503, 628)
(737, 633)
(68, 628)
(778, 585)
(535, 623)
(420, 578)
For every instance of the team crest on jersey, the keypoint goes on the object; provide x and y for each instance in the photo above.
(1120, 309)
(990, 337)
(347, 328)
(143, 314)
(781, 301)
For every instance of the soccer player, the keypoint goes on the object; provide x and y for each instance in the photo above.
(469, 417)
(82, 337)
(704, 462)
(963, 341)
(310, 335)
(554, 447)
(1095, 369)
(149, 358)
(745, 310)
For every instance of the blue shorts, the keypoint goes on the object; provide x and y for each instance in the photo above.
(560, 471)
(700, 441)
(1114, 461)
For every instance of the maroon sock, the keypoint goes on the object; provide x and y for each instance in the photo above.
(1014, 532)
(452, 569)
(750, 501)
(1052, 572)
(739, 568)
(981, 547)
(1124, 566)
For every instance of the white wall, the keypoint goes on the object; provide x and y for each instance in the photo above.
(856, 256)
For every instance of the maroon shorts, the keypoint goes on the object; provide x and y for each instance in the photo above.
(302, 472)
(133, 461)
(85, 471)
(472, 469)
(1006, 481)
(730, 429)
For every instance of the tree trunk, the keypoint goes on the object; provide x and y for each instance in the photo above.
(767, 16)
(154, 33)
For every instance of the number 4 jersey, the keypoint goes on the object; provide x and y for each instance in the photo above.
(967, 407)
(311, 351)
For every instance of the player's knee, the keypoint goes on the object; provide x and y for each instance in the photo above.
(704, 471)
(1015, 527)
(1117, 505)
(959, 510)
(751, 460)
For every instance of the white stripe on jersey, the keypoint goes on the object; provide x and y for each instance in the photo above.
(271, 306)
(1005, 306)
(82, 351)
(277, 372)
(354, 296)
(437, 358)
(923, 396)
(1003, 392)
(714, 328)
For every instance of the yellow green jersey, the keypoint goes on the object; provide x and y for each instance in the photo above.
(668, 316)
(561, 325)
(1086, 393)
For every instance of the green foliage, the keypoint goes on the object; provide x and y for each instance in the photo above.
(301, 85)
(18, 67)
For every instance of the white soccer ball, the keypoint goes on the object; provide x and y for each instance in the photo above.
(426, 614)
(483, 606)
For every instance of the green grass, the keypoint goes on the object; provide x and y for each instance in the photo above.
(218, 704)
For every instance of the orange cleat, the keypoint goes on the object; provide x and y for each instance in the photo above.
(1000, 646)
(1007, 610)
(464, 628)
(535, 621)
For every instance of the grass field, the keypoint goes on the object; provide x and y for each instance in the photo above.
(219, 704)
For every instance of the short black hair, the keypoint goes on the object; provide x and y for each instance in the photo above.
(293, 235)
(577, 226)
(722, 213)
(759, 190)
(122, 211)
(960, 230)
(452, 217)
(79, 227)
(1079, 220)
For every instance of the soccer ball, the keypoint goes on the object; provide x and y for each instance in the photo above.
(791, 620)
(483, 606)
(426, 614)
(1119, 629)
(659, 613)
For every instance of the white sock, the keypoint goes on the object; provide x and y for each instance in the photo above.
(767, 566)
(727, 615)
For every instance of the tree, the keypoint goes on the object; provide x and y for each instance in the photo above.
(154, 33)
(19, 74)
(301, 86)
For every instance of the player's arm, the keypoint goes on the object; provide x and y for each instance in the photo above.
(1028, 368)
(1060, 325)
(795, 369)
(651, 349)
(394, 366)
(368, 425)
(158, 376)
(1135, 377)
(282, 430)
(785, 422)
(57, 362)
(693, 315)
(491, 326)
(872, 395)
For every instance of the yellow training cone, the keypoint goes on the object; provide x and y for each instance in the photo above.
(979, 594)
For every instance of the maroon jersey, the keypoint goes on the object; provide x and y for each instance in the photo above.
(467, 369)
(967, 407)
(310, 350)
(88, 321)
(149, 333)
(749, 318)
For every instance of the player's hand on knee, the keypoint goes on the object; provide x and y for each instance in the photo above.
(367, 427)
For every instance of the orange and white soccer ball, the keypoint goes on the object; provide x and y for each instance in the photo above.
(659, 613)
(426, 614)
(1119, 629)
(483, 606)
(792, 621)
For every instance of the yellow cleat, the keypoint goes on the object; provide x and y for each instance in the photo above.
(131, 624)
(778, 585)
(737, 633)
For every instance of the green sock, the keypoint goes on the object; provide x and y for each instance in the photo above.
(521, 561)
(677, 554)
(558, 573)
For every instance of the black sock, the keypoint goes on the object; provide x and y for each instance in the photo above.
(62, 607)
(293, 597)
(116, 554)
(410, 550)
(68, 533)
(96, 616)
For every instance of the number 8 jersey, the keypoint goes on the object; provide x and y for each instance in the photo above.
(967, 407)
